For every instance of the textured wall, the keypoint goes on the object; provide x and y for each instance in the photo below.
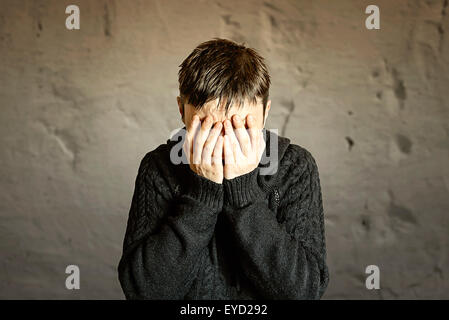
(79, 109)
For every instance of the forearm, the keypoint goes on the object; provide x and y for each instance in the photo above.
(278, 265)
(164, 263)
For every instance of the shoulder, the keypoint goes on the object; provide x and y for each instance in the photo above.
(154, 157)
(297, 167)
(296, 159)
(152, 161)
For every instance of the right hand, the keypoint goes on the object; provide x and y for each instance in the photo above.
(203, 146)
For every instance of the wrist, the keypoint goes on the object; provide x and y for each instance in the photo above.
(243, 189)
(204, 190)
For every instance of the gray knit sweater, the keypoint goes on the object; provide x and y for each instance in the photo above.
(253, 237)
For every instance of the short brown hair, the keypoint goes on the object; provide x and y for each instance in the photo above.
(223, 69)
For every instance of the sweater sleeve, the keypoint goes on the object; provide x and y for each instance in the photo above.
(164, 239)
(284, 260)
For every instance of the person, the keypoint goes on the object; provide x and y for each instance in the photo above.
(219, 225)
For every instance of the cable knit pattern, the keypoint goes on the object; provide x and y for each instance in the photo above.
(302, 207)
(252, 237)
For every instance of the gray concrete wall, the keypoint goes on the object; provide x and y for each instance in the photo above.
(79, 109)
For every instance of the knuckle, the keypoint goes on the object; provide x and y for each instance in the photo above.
(207, 149)
(207, 122)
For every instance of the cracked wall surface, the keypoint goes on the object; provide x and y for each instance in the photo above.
(79, 110)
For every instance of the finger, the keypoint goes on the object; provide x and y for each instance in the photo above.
(234, 143)
(251, 121)
(210, 143)
(192, 130)
(200, 138)
(252, 129)
(242, 135)
(193, 126)
(229, 155)
(255, 149)
(237, 121)
(217, 156)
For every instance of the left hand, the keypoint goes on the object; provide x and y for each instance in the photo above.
(242, 148)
